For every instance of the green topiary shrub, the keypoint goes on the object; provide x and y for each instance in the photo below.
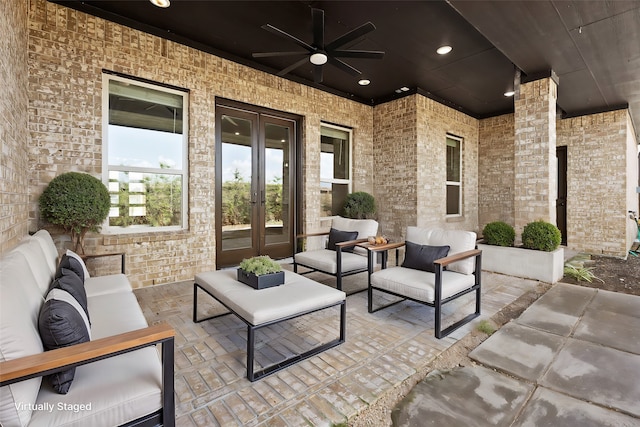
(359, 205)
(499, 233)
(260, 265)
(76, 201)
(541, 236)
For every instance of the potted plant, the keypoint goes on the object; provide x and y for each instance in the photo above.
(539, 257)
(76, 201)
(260, 272)
(359, 205)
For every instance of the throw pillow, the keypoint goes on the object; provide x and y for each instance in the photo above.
(337, 236)
(62, 322)
(71, 283)
(70, 263)
(421, 257)
(81, 261)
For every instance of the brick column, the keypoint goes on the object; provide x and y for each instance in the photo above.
(535, 186)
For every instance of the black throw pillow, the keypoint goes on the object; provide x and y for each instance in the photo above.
(61, 323)
(70, 263)
(421, 257)
(337, 236)
(71, 283)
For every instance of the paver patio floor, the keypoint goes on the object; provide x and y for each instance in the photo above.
(381, 351)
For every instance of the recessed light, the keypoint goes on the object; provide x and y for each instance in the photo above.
(161, 3)
(364, 82)
(404, 89)
(237, 133)
(509, 93)
(443, 50)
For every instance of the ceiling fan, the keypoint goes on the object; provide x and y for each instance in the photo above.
(319, 53)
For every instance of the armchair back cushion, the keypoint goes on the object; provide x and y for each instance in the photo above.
(364, 227)
(457, 240)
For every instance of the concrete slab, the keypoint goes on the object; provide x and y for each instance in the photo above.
(559, 310)
(610, 329)
(596, 374)
(548, 408)
(470, 396)
(519, 350)
(629, 305)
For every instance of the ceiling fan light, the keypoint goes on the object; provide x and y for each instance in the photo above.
(318, 58)
(443, 50)
(364, 82)
(161, 3)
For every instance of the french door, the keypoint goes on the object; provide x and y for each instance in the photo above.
(255, 185)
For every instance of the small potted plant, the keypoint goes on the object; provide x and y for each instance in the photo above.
(260, 272)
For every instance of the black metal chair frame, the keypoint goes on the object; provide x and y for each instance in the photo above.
(339, 274)
(440, 264)
(251, 329)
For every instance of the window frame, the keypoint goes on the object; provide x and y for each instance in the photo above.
(183, 172)
(454, 183)
(349, 181)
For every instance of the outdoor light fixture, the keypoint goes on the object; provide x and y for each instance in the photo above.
(364, 82)
(509, 93)
(443, 50)
(161, 3)
(318, 58)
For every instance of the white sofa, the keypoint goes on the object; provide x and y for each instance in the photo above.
(454, 275)
(120, 378)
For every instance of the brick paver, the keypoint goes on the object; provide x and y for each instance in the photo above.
(381, 350)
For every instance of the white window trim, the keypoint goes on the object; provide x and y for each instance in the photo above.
(184, 172)
(456, 183)
(349, 181)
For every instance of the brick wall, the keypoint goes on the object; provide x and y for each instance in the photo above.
(496, 170)
(409, 165)
(68, 51)
(633, 180)
(14, 158)
(597, 182)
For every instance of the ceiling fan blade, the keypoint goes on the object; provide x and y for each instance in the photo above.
(344, 66)
(317, 73)
(270, 54)
(288, 36)
(369, 54)
(317, 16)
(350, 36)
(293, 66)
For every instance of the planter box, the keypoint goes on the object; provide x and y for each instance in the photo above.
(538, 265)
(261, 282)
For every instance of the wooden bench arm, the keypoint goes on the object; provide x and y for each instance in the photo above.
(48, 362)
(349, 243)
(457, 257)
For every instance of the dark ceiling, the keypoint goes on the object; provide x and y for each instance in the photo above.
(592, 46)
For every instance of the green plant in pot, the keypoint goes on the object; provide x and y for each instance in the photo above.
(359, 205)
(541, 236)
(498, 233)
(260, 272)
(78, 202)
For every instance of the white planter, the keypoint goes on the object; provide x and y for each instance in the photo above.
(538, 265)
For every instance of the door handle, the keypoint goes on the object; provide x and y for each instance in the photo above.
(254, 197)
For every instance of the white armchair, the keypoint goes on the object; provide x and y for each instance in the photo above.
(439, 266)
(341, 257)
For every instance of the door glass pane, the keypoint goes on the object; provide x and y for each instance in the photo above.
(236, 182)
(276, 200)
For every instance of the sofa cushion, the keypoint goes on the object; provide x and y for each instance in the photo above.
(115, 313)
(458, 240)
(70, 263)
(421, 257)
(101, 285)
(63, 322)
(20, 302)
(325, 260)
(38, 263)
(420, 285)
(50, 251)
(81, 261)
(338, 236)
(71, 283)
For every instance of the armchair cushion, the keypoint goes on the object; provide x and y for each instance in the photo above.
(325, 260)
(337, 236)
(364, 227)
(421, 257)
(458, 240)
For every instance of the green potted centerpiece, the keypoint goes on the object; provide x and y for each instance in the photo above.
(260, 272)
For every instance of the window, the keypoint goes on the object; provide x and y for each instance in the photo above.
(145, 155)
(454, 176)
(335, 168)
